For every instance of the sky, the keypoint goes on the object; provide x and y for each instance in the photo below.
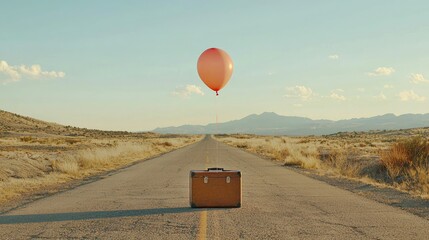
(131, 65)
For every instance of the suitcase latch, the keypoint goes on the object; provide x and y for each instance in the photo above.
(228, 179)
(206, 179)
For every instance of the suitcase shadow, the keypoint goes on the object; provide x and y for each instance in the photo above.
(76, 216)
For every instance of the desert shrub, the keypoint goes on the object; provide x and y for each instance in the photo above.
(388, 140)
(375, 170)
(26, 139)
(242, 136)
(221, 135)
(282, 154)
(334, 158)
(407, 162)
(242, 145)
(304, 140)
(167, 144)
(343, 161)
(71, 141)
(405, 155)
(396, 160)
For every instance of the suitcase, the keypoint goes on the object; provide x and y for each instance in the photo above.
(215, 187)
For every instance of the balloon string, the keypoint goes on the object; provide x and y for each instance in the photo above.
(217, 93)
(217, 128)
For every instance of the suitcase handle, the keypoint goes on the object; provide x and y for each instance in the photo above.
(214, 169)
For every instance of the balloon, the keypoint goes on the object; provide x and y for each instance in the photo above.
(215, 68)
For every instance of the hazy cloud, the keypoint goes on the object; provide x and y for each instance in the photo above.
(387, 86)
(9, 72)
(418, 78)
(410, 96)
(302, 92)
(382, 71)
(15, 73)
(361, 89)
(334, 57)
(185, 92)
(381, 97)
(337, 95)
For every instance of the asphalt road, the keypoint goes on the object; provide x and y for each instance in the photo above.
(150, 201)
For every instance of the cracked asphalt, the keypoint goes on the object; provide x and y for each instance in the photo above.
(150, 201)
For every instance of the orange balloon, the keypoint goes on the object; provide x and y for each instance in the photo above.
(215, 68)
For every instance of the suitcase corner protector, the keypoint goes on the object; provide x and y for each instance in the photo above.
(193, 205)
(238, 205)
(192, 174)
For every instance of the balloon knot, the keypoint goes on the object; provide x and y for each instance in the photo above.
(217, 93)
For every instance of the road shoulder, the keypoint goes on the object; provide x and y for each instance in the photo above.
(385, 195)
(381, 194)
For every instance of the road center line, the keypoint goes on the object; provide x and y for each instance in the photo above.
(203, 225)
(202, 233)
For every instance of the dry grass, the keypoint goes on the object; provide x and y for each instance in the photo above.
(30, 164)
(37, 155)
(388, 158)
(284, 149)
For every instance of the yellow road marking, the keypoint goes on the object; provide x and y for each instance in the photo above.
(203, 225)
(202, 230)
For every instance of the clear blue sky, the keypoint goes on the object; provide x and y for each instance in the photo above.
(131, 65)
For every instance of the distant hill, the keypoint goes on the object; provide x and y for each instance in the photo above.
(269, 123)
(12, 124)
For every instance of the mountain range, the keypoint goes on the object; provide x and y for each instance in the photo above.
(270, 123)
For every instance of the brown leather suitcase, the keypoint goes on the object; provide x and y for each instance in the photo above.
(215, 187)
